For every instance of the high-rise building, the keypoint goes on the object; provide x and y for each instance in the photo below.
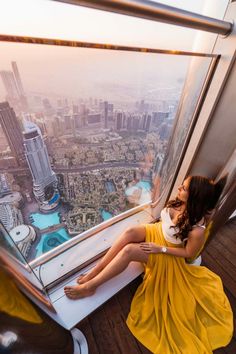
(159, 117)
(75, 109)
(129, 123)
(19, 85)
(136, 123)
(94, 119)
(119, 120)
(14, 88)
(77, 121)
(67, 122)
(4, 187)
(17, 78)
(148, 123)
(44, 179)
(47, 106)
(12, 131)
(83, 112)
(105, 114)
(9, 84)
(145, 122)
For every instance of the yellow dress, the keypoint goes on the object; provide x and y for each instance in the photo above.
(179, 308)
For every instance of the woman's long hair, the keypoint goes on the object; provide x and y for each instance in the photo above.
(203, 196)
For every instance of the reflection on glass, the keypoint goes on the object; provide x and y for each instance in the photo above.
(7, 244)
(84, 133)
(166, 164)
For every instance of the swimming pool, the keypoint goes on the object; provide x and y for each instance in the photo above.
(52, 240)
(139, 193)
(44, 220)
(144, 185)
(106, 215)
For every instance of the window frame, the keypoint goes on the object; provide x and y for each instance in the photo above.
(167, 190)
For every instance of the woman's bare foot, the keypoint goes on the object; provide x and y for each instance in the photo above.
(80, 278)
(78, 291)
(83, 278)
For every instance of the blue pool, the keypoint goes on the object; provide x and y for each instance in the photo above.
(105, 214)
(144, 185)
(44, 220)
(52, 239)
(139, 193)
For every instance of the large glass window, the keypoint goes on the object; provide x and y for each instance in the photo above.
(55, 19)
(84, 133)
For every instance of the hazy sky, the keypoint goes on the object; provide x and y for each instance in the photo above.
(47, 18)
(45, 68)
(72, 71)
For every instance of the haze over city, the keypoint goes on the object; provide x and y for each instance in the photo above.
(84, 72)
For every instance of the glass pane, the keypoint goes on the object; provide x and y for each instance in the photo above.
(35, 18)
(166, 166)
(7, 244)
(84, 133)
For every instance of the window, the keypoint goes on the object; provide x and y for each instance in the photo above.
(88, 133)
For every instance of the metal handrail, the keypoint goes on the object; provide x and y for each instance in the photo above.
(105, 46)
(158, 12)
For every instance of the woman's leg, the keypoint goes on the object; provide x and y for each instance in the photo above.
(131, 252)
(131, 235)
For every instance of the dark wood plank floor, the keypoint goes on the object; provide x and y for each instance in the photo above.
(105, 329)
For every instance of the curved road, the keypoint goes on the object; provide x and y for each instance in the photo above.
(83, 169)
(97, 167)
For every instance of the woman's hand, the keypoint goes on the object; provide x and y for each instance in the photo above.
(150, 247)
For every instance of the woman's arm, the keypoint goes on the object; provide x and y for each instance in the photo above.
(195, 241)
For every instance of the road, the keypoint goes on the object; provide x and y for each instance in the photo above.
(97, 167)
(82, 169)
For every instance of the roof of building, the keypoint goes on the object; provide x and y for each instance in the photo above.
(11, 198)
(20, 232)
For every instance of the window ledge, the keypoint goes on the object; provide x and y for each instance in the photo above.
(71, 312)
(80, 254)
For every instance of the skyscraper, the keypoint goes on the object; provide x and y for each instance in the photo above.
(44, 179)
(9, 84)
(14, 87)
(12, 131)
(19, 85)
(148, 123)
(119, 120)
(17, 78)
(105, 114)
(4, 187)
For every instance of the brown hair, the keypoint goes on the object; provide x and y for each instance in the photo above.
(203, 196)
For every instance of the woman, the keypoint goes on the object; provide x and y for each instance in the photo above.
(178, 308)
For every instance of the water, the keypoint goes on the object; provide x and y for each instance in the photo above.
(140, 193)
(105, 214)
(144, 185)
(110, 187)
(44, 220)
(52, 240)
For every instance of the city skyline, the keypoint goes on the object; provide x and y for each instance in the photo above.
(94, 141)
(101, 190)
(103, 156)
(91, 72)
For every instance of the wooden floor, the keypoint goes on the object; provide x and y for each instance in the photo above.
(105, 329)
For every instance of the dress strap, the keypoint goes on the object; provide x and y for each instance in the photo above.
(197, 225)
